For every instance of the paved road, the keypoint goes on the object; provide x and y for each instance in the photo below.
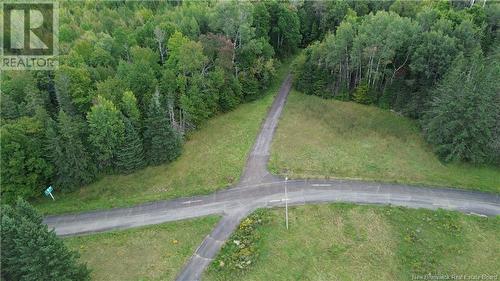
(255, 170)
(258, 189)
(232, 200)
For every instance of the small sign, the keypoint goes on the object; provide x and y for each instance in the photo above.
(48, 192)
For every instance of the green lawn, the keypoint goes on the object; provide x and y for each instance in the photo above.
(213, 158)
(356, 242)
(319, 138)
(149, 253)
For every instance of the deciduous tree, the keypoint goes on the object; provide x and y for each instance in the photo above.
(25, 168)
(73, 86)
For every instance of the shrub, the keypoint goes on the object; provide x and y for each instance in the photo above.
(386, 99)
(362, 95)
(343, 95)
(242, 248)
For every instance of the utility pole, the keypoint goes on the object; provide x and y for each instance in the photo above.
(286, 204)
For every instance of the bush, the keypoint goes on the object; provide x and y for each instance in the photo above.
(241, 249)
(342, 94)
(249, 86)
(362, 95)
(385, 101)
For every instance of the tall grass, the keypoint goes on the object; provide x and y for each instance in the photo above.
(318, 138)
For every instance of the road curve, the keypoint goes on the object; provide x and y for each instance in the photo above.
(259, 189)
(232, 201)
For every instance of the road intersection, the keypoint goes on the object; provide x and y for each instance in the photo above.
(259, 189)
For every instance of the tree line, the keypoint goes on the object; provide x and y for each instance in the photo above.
(134, 79)
(435, 61)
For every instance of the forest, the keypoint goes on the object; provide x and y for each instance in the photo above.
(437, 62)
(135, 78)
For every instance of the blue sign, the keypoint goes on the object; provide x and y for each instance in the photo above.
(48, 192)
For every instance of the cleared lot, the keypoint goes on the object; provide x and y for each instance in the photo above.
(149, 253)
(318, 138)
(353, 242)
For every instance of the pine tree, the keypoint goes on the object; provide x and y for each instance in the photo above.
(130, 154)
(161, 142)
(33, 253)
(462, 121)
(129, 108)
(106, 131)
(67, 151)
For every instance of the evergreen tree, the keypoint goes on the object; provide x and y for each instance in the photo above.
(130, 154)
(106, 131)
(462, 121)
(66, 149)
(19, 94)
(197, 106)
(31, 252)
(129, 108)
(162, 143)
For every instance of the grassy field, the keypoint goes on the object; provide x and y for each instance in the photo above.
(149, 253)
(349, 242)
(318, 138)
(213, 158)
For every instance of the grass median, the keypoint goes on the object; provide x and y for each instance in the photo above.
(356, 242)
(147, 253)
(320, 138)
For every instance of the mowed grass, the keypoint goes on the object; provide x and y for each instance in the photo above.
(318, 138)
(356, 242)
(213, 158)
(149, 253)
